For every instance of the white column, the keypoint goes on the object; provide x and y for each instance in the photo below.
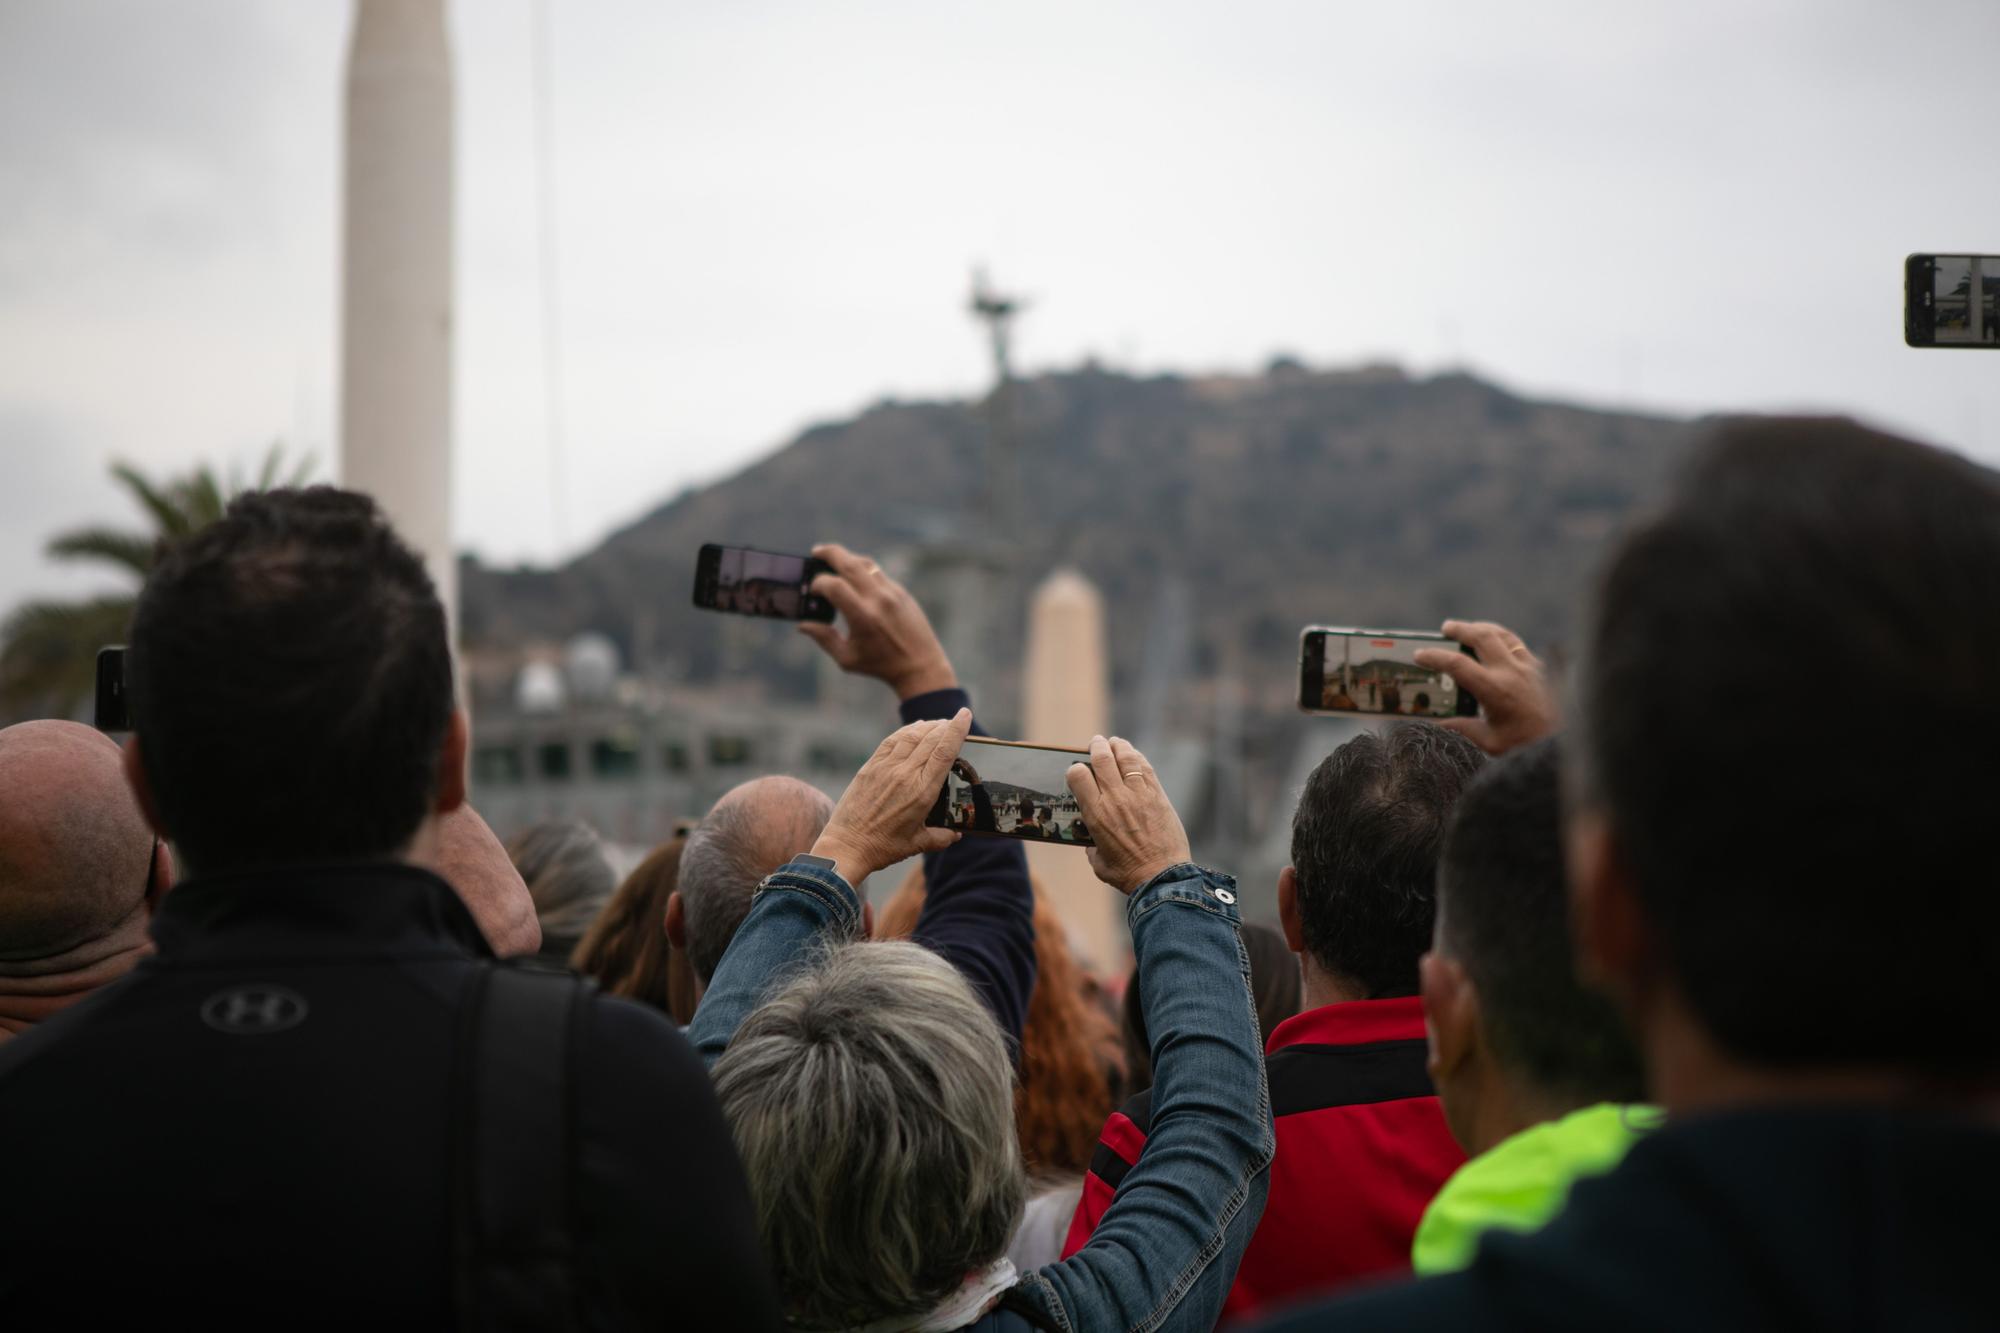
(396, 298)
(1066, 702)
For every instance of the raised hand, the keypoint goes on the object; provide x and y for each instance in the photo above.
(1515, 703)
(1135, 828)
(888, 636)
(880, 817)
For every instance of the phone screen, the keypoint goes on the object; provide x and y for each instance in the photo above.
(750, 582)
(1374, 673)
(1010, 790)
(110, 713)
(1952, 301)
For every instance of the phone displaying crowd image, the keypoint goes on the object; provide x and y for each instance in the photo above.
(1010, 790)
(749, 582)
(1374, 673)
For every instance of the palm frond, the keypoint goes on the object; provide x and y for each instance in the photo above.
(48, 649)
(203, 497)
(48, 653)
(302, 469)
(164, 505)
(277, 470)
(128, 550)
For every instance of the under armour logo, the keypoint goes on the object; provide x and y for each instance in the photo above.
(253, 1009)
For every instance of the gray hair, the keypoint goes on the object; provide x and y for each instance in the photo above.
(872, 1102)
(568, 876)
(755, 828)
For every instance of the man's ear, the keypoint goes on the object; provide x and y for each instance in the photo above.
(1609, 936)
(1288, 910)
(142, 790)
(451, 764)
(1451, 1014)
(161, 876)
(677, 929)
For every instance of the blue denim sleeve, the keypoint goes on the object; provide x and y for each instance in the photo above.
(979, 908)
(1167, 1250)
(795, 909)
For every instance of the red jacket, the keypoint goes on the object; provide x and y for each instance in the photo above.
(1362, 1147)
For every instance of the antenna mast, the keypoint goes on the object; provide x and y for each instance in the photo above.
(1003, 505)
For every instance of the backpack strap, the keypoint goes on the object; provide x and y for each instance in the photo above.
(514, 1150)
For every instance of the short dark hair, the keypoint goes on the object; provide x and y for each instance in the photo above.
(1790, 718)
(1365, 844)
(291, 684)
(1503, 914)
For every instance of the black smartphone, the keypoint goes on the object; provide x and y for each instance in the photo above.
(1011, 790)
(759, 583)
(1952, 301)
(111, 713)
(1374, 673)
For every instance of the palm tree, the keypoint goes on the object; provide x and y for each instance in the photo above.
(48, 649)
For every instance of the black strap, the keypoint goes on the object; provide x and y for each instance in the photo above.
(514, 1159)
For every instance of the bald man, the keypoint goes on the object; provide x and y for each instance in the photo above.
(79, 870)
(756, 827)
(470, 857)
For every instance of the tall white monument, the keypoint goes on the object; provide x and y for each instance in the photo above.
(1066, 696)
(396, 278)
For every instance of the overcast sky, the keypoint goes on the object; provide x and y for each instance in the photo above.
(767, 214)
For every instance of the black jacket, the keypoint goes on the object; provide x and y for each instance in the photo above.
(255, 1127)
(1821, 1219)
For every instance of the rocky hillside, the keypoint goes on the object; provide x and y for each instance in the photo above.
(1276, 500)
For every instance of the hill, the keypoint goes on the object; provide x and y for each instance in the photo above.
(1271, 501)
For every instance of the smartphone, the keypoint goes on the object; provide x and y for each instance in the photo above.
(759, 583)
(1010, 790)
(1374, 673)
(1952, 301)
(111, 713)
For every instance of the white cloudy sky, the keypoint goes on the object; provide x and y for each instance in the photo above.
(768, 211)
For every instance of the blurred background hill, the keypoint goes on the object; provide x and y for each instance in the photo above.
(1250, 505)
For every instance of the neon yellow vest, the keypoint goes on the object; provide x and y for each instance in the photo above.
(1522, 1182)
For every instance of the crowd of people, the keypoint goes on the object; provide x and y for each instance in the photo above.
(1636, 1001)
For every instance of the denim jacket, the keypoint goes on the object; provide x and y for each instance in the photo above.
(1167, 1249)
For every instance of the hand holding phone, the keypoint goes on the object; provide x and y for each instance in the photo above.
(1380, 673)
(750, 582)
(880, 818)
(1137, 831)
(1516, 704)
(1010, 790)
(887, 636)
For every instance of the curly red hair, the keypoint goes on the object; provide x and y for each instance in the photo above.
(1070, 1051)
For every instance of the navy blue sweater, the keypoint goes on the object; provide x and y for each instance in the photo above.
(979, 909)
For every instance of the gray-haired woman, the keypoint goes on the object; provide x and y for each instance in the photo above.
(870, 1093)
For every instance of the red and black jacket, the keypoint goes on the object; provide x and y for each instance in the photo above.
(1362, 1147)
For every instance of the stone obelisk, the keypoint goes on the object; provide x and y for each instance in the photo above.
(1066, 697)
(396, 278)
